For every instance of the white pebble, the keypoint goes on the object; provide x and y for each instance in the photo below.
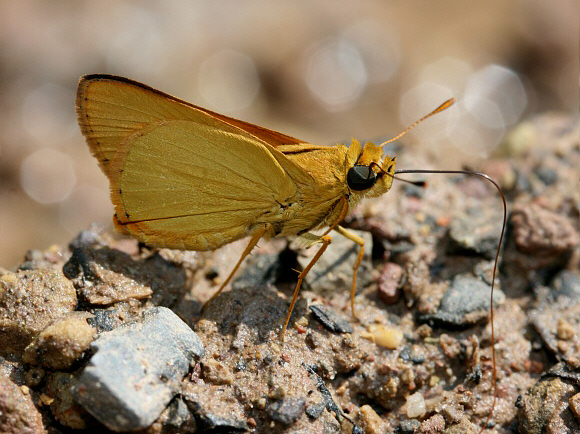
(416, 406)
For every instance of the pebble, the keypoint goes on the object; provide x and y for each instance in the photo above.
(104, 320)
(29, 302)
(58, 386)
(545, 408)
(558, 325)
(105, 276)
(217, 409)
(463, 304)
(409, 426)
(315, 410)
(547, 175)
(574, 403)
(62, 343)
(287, 410)
(176, 418)
(369, 421)
(476, 233)
(330, 319)
(519, 140)
(161, 347)
(390, 282)
(216, 372)
(434, 425)
(565, 330)
(567, 284)
(542, 232)
(416, 406)
(95, 235)
(18, 415)
(413, 354)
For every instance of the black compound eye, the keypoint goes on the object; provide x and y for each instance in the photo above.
(360, 178)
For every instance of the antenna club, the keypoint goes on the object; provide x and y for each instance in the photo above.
(439, 109)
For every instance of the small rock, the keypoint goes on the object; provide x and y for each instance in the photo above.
(557, 319)
(434, 425)
(477, 233)
(94, 236)
(216, 372)
(63, 407)
(369, 421)
(107, 286)
(104, 320)
(567, 284)
(562, 371)
(414, 354)
(30, 301)
(315, 410)
(519, 140)
(409, 426)
(334, 269)
(565, 330)
(464, 304)
(51, 258)
(574, 404)
(34, 376)
(330, 319)
(416, 406)
(161, 347)
(547, 175)
(287, 410)
(278, 393)
(390, 283)
(105, 276)
(18, 415)
(541, 232)
(61, 344)
(463, 427)
(546, 404)
(216, 409)
(249, 314)
(176, 418)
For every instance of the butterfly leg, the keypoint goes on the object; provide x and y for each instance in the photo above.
(325, 240)
(359, 258)
(255, 238)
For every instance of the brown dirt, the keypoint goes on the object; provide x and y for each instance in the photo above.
(250, 378)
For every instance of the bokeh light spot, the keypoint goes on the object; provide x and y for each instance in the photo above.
(47, 176)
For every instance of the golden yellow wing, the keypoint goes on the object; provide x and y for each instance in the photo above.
(184, 185)
(182, 176)
(110, 108)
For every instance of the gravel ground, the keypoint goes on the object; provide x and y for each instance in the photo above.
(417, 360)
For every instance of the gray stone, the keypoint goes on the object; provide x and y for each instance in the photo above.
(137, 369)
(567, 284)
(330, 319)
(476, 232)
(464, 304)
(409, 426)
(287, 410)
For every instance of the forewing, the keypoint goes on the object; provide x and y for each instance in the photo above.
(111, 108)
(188, 185)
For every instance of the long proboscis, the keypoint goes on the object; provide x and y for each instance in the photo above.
(491, 311)
(439, 109)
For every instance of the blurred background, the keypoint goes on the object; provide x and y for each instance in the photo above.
(320, 70)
